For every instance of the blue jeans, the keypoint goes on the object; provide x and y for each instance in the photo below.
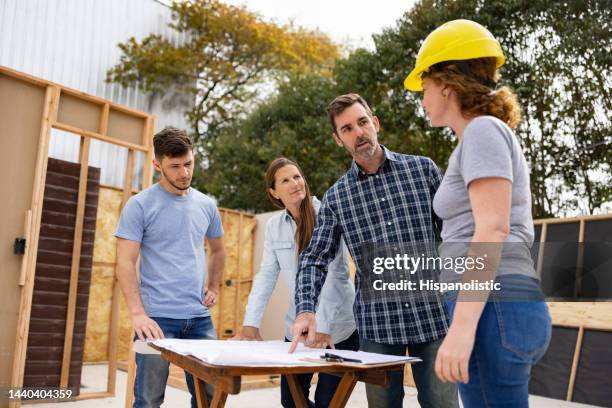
(152, 369)
(326, 385)
(511, 337)
(432, 393)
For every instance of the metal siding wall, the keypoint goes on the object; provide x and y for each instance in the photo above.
(74, 43)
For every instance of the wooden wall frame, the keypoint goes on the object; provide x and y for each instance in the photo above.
(575, 315)
(581, 220)
(77, 105)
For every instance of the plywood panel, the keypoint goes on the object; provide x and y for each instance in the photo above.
(98, 323)
(109, 206)
(21, 109)
(245, 289)
(228, 316)
(236, 283)
(230, 227)
(125, 127)
(98, 318)
(125, 330)
(246, 247)
(79, 113)
(96, 348)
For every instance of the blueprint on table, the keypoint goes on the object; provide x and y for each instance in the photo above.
(265, 353)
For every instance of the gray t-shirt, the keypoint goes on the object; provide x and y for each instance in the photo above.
(488, 149)
(171, 231)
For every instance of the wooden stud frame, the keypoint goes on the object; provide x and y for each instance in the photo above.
(576, 321)
(237, 298)
(582, 220)
(49, 121)
(49, 116)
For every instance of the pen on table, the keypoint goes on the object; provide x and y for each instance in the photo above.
(338, 359)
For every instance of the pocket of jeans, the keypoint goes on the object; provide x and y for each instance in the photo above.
(524, 327)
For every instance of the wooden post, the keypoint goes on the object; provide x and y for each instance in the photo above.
(113, 336)
(237, 302)
(103, 125)
(76, 260)
(27, 234)
(579, 260)
(49, 116)
(576, 360)
(131, 378)
(147, 141)
(541, 250)
(222, 288)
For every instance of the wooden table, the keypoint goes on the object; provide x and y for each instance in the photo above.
(226, 379)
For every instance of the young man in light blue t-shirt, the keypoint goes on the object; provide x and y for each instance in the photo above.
(166, 225)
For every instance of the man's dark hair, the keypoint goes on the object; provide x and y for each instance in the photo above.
(171, 142)
(342, 102)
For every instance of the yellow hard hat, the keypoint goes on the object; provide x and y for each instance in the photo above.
(453, 41)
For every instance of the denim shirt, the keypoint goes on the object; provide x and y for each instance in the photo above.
(334, 314)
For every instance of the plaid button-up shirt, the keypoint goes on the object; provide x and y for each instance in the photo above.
(390, 206)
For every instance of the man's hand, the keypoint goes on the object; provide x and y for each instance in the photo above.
(322, 341)
(304, 330)
(248, 333)
(210, 297)
(452, 361)
(146, 328)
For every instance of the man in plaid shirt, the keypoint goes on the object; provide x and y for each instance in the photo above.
(384, 198)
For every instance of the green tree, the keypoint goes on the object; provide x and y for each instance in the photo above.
(227, 53)
(290, 124)
(558, 62)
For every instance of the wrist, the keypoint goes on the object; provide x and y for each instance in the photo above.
(138, 312)
(464, 324)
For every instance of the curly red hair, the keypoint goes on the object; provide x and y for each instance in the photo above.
(475, 98)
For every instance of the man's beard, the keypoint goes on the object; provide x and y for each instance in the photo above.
(174, 185)
(368, 152)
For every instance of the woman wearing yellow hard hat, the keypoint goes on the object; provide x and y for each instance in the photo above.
(500, 325)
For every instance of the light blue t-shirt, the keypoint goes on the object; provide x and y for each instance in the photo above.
(171, 231)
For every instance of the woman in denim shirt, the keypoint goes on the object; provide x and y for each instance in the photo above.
(287, 235)
(484, 201)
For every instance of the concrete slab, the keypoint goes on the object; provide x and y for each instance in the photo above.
(94, 378)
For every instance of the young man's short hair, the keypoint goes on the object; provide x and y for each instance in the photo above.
(342, 102)
(171, 142)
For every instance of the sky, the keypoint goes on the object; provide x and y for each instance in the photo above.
(350, 23)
